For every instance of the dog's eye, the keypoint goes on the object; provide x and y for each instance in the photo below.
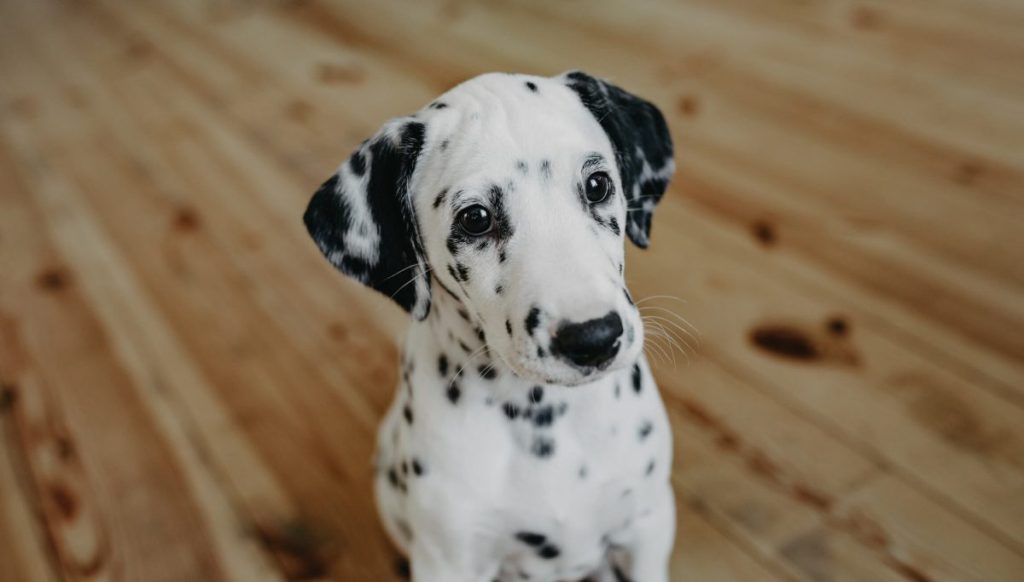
(598, 187)
(475, 220)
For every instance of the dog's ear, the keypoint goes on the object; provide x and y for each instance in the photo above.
(642, 144)
(364, 221)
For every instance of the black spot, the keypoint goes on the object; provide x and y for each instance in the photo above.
(508, 327)
(540, 352)
(438, 105)
(650, 468)
(549, 552)
(442, 365)
(487, 372)
(439, 200)
(451, 271)
(393, 477)
(463, 271)
(480, 335)
(405, 467)
(543, 447)
(613, 224)
(531, 539)
(444, 145)
(454, 393)
(408, 414)
(510, 410)
(501, 256)
(532, 320)
(499, 289)
(531, 86)
(544, 416)
(463, 314)
(637, 379)
(536, 394)
(464, 347)
(417, 468)
(645, 429)
(522, 167)
(545, 169)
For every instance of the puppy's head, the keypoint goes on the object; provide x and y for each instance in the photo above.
(511, 195)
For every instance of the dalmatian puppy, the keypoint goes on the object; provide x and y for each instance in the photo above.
(526, 440)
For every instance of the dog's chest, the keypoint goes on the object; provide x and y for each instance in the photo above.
(547, 477)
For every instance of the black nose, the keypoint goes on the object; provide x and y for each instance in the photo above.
(590, 343)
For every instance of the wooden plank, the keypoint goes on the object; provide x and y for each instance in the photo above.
(100, 493)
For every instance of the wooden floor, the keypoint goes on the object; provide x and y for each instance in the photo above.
(190, 392)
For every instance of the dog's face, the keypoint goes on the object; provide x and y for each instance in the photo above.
(512, 194)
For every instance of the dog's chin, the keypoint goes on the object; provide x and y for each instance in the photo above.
(563, 374)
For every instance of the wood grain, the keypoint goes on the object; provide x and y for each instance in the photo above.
(189, 392)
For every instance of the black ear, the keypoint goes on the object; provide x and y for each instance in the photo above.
(643, 146)
(364, 222)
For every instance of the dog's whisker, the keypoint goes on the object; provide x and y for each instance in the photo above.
(665, 352)
(672, 340)
(400, 271)
(670, 329)
(677, 341)
(461, 369)
(675, 325)
(657, 333)
(693, 332)
(411, 281)
(652, 297)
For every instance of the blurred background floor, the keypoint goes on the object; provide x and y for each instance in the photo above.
(189, 392)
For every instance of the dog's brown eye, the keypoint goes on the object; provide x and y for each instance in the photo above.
(475, 220)
(598, 187)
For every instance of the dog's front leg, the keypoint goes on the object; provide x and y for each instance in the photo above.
(649, 552)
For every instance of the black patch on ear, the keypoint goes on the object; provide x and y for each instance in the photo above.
(331, 218)
(642, 144)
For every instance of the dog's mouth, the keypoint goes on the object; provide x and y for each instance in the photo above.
(559, 372)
